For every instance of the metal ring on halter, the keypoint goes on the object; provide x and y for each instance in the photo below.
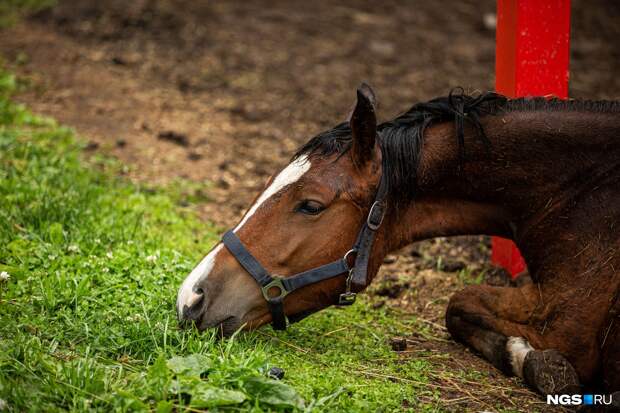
(275, 283)
(346, 256)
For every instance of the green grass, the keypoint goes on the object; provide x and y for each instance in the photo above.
(87, 319)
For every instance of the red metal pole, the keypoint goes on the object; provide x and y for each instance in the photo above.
(531, 59)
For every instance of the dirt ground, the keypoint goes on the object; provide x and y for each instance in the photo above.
(219, 94)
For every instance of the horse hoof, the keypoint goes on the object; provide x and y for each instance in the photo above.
(549, 372)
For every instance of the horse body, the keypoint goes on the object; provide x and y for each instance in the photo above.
(552, 183)
(544, 173)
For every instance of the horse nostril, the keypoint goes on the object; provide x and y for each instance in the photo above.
(192, 310)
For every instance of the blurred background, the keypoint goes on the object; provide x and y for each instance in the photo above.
(221, 93)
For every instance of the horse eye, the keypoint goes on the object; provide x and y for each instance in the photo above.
(310, 207)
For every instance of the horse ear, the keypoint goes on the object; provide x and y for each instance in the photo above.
(363, 122)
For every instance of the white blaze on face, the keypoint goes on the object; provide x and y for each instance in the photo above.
(288, 176)
(187, 296)
(517, 348)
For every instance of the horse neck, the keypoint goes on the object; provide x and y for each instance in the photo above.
(543, 167)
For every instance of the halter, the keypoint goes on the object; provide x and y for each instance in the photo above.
(275, 288)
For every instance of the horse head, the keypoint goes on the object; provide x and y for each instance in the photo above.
(297, 247)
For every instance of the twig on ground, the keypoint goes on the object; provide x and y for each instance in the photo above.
(283, 341)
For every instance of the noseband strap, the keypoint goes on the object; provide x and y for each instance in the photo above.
(275, 288)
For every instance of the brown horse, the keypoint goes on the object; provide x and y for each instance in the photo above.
(545, 173)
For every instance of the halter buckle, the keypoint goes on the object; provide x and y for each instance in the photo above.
(348, 297)
(375, 215)
(275, 283)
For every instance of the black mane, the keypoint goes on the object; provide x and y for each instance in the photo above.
(401, 138)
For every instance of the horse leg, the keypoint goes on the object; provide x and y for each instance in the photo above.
(493, 320)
